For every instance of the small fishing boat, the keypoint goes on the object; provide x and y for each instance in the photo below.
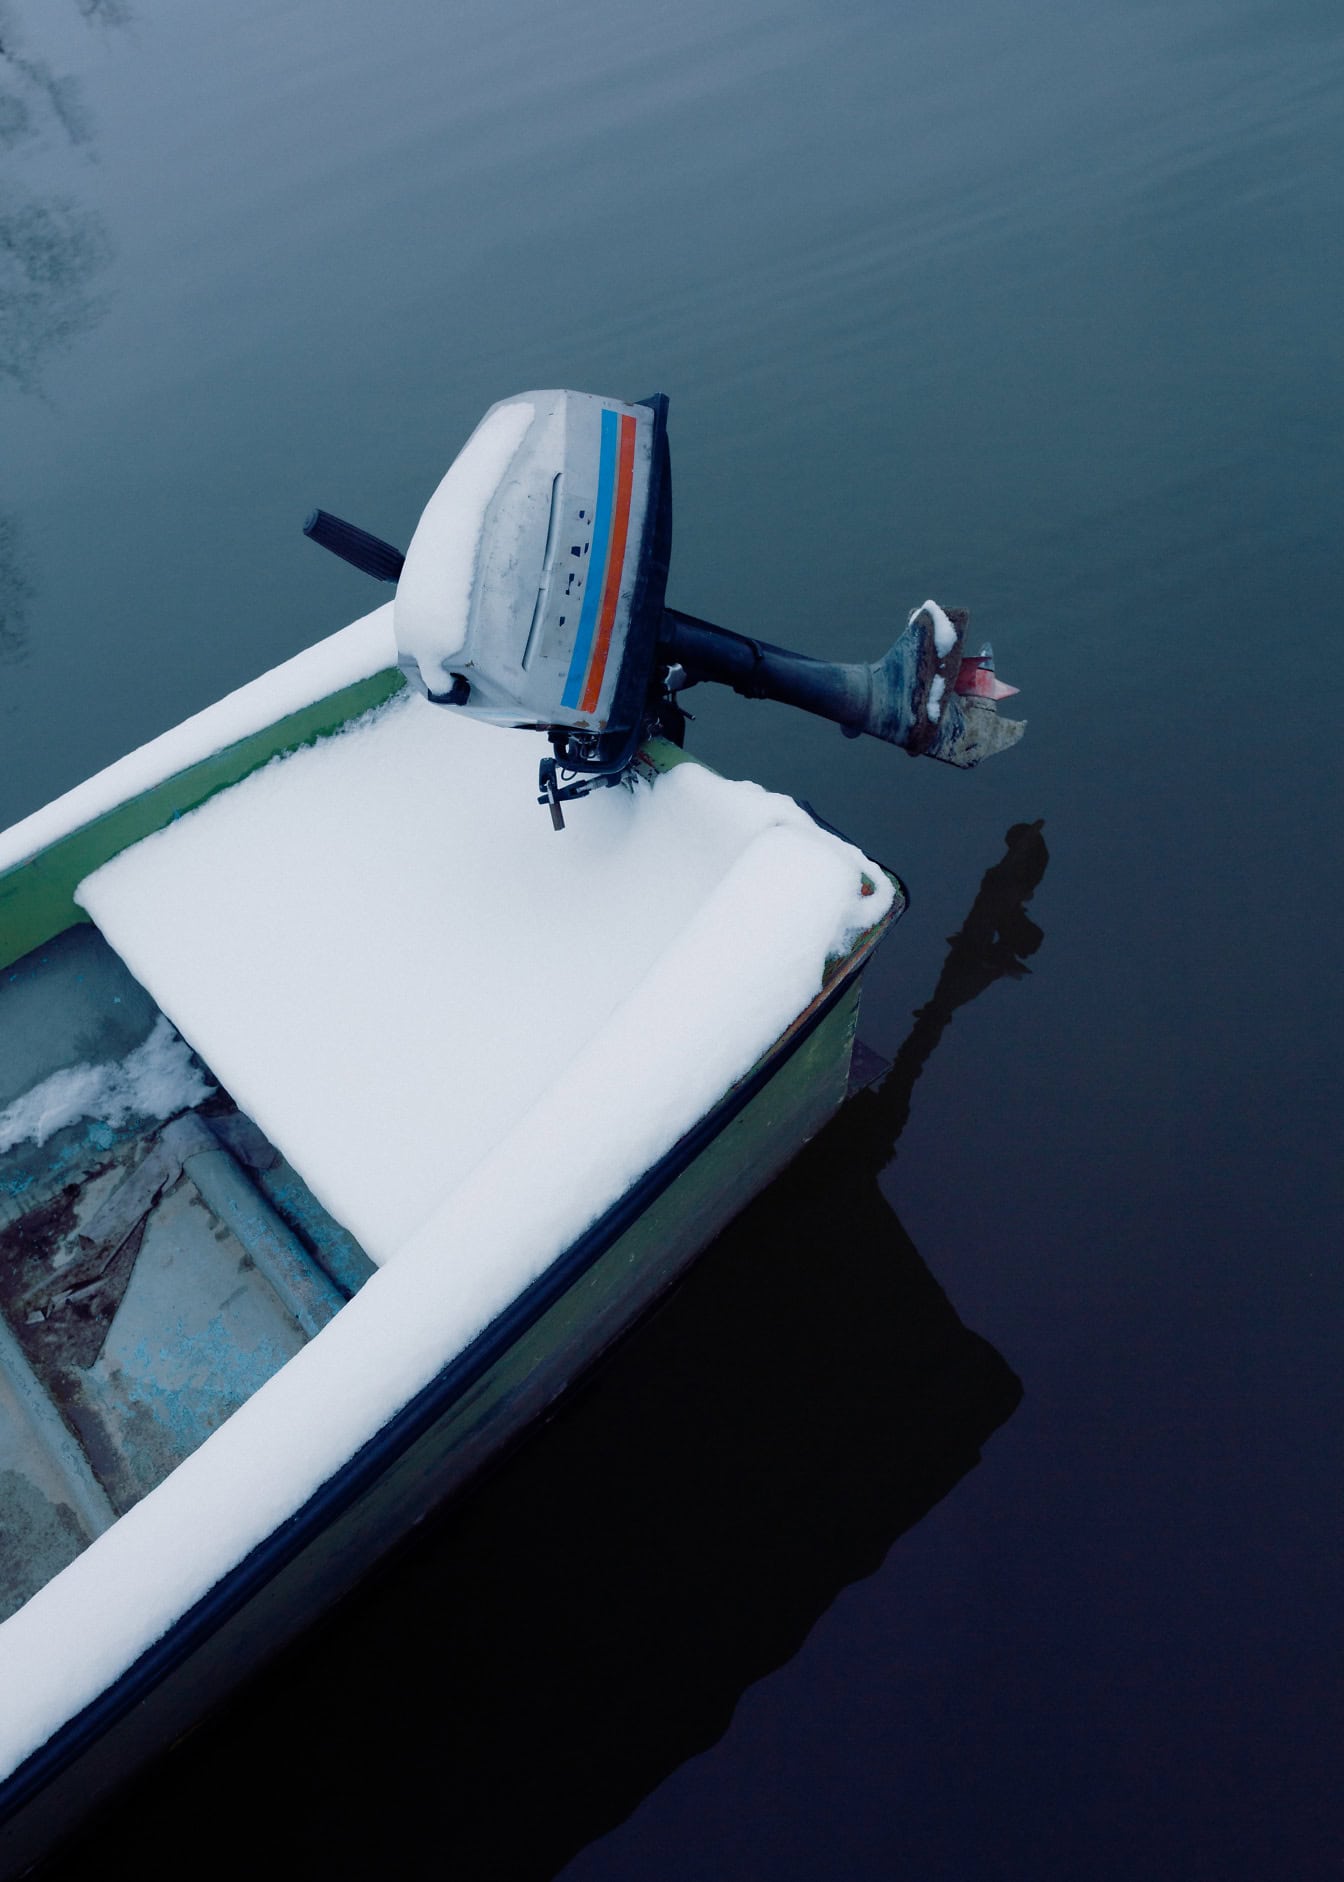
(348, 1113)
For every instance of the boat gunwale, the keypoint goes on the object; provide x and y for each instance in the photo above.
(38, 889)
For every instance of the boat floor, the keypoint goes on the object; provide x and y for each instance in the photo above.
(153, 1272)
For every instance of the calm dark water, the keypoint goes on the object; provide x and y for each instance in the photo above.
(1033, 309)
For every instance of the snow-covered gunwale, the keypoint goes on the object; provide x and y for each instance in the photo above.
(346, 1117)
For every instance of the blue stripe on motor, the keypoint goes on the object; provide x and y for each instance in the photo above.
(597, 563)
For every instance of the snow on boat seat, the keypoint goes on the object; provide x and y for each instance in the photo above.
(427, 998)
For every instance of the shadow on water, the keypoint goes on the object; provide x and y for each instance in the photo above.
(513, 1686)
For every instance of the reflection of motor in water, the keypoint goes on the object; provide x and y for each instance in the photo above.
(591, 1617)
(989, 945)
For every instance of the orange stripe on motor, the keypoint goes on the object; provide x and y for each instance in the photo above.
(611, 588)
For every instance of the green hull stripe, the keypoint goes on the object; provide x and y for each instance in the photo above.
(37, 896)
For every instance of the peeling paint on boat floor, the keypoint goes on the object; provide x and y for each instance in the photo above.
(152, 1277)
(141, 1358)
(197, 1331)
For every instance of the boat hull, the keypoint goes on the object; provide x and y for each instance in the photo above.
(462, 1424)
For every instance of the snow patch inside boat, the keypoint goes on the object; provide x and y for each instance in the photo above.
(155, 1080)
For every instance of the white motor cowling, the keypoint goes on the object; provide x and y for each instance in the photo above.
(533, 595)
(531, 588)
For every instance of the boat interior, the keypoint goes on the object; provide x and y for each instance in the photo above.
(158, 1260)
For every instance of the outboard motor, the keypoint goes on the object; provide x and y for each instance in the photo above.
(533, 595)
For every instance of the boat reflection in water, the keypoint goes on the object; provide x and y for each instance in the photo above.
(513, 1686)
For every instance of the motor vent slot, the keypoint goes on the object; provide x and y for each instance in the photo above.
(539, 607)
(551, 527)
(534, 632)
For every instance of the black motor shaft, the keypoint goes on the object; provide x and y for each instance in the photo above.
(758, 670)
(907, 698)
